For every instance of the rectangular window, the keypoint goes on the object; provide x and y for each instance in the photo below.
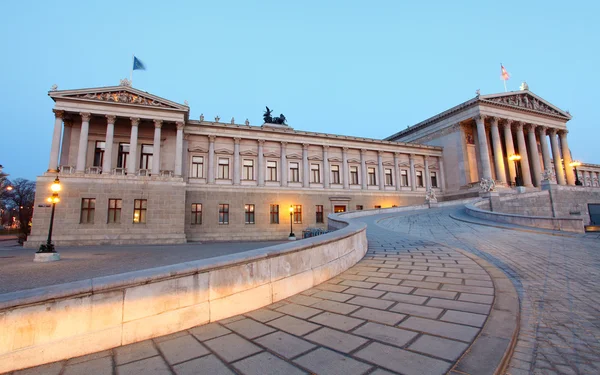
(248, 169)
(315, 173)
(359, 207)
(419, 179)
(388, 177)
(99, 153)
(335, 174)
(404, 177)
(249, 213)
(377, 206)
(114, 211)
(146, 159)
(297, 214)
(354, 175)
(123, 155)
(88, 206)
(223, 169)
(319, 212)
(294, 172)
(197, 167)
(433, 179)
(223, 214)
(339, 208)
(372, 179)
(274, 214)
(196, 213)
(271, 170)
(139, 211)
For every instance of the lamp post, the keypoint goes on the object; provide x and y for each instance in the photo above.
(576, 164)
(48, 247)
(292, 236)
(515, 158)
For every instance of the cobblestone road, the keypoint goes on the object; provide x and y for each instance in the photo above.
(557, 279)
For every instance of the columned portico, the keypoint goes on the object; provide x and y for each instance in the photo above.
(545, 151)
(83, 142)
(535, 156)
(133, 142)
(498, 156)
(179, 149)
(326, 167)
(558, 168)
(484, 154)
(55, 148)
(566, 154)
(108, 145)
(524, 158)
(66, 141)
(156, 148)
(510, 150)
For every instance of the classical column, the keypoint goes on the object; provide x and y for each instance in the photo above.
(236, 161)
(587, 176)
(156, 148)
(133, 140)
(380, 170)
(566, 153)
(535, 156)
(66, 141)
(211, 159)
(261, 162)
(524, 158)
(441, 180)
(498, 156)
(179, 149)
(510, 150)
(396, 171)
(83, 142)
(326, 167)
(108, 144)
(55, 148)
(305, 166)
(484, 154)
(363, 169)
(545, 151)
(284, 169)
(413, 177)
(558, 167)
(427, 177)
(345, 174)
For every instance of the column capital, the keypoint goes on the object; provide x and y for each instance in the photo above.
(236, 140)
(396, 154)
(135, 121)
(68, 122)
(530, 128)
(542, 129)
(211, 138)
(494, 120)
(180, 125)
(158, 124)
(480, 117)
(508, 123)
(426, 158)
(261, 142)
(519, 125)
(563, 132)
(380, 152)
(86, 116)
(284, 144)
(305, 146)
(326, 147)
(411, 156)
(58, 113)
(111, 119)
(345, 149)
(363, 151)
(553, 131)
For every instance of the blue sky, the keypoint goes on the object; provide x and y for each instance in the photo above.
(345, 67)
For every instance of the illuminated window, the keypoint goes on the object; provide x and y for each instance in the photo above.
(274, 214)
(359, 207)
(297, 214)
(319, 211)
(88, 207)
(378, 206)
(114, 211)
(223, 214)
(139, 211)
(335, 174)
(249, 213)
(196, 213)
(197, 166)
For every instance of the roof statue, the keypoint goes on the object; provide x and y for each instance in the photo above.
(202, 117)
(524, 86)
(273, 120)
(125, 82)
(54, 87)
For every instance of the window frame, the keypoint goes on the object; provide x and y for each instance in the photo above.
(371, 176)
(196, 215)
(335, 174)
(146, 156)
(419, 178)
(249, 213)
(354, 179)
(122, 156)
(433, 177)
(197, 167)
(248, 170)
(89, 209)
(142, 210)
(222, 168)
(223, 209)
(99, 153)
(112, 211)
(404, 181)
(389, 179)
(271, 171)
(294, 172)
(319, 214)
(315, 173)
(297, 214)
(274, 213)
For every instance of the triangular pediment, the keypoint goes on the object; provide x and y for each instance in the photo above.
(388, 163)
(404, 164)
(118, 95)
(197, 149)
(525, 100)
(335, 159)
(371, 162)
(271, 155)
(294, 156)
(353, 160)
(224, 151)
(248, 153)
(315, 157)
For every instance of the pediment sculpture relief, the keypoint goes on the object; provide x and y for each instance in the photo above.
(122, 97)
(525, 101)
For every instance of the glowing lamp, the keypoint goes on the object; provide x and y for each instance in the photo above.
(514, 157)
(55, 185)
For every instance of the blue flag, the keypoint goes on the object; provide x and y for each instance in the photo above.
(138, 64)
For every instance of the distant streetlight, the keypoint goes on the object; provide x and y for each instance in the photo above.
(9, 188)
(515, 158)
(54, 199)
(292, 235)
(576, 164)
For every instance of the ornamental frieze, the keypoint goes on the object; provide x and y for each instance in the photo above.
(525, 101)
(122, 97)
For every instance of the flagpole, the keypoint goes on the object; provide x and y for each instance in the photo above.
(505, 86)
(131, 71)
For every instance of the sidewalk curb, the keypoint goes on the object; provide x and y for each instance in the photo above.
(527, 230)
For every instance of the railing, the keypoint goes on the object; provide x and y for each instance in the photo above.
(143, 172)
(120, 171)
(313, 232)
(66, 169)
(94, 170)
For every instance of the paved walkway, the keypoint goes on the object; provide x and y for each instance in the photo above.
(410, 306)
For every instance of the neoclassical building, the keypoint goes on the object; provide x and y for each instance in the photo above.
(134, 168)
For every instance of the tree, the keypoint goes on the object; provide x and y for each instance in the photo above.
(21, 199)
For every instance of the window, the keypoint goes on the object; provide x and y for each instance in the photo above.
(372, 179)
(359, 207)
(249, 213)
(335, 174)
(404, 177)
(274, 214)
(114, 211)
(99, 153)
(196, 213)
(139, 211)
(223, 214)
(123, 155)
(433, 179)
(271, 171)
(146, 159)
(248, 169)
(388, 177)
(223, 169)
(419, 179)
(377, 206)
(294, 172)
(197, 166)
(297, 214)
(354, 175)
(88, 206)
(339, 208)
(315, 173)
(319, 214)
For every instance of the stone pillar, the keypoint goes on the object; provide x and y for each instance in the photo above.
(284, 168)
(179, 149)
(510, 150)
(261, 162)
(326, 172)
(305, 166)
(545, 150)
(427, 177)
(587, 176)
(413, 177)
(66, 142)
(55, 148)
(558, 168)
(133, 139)
(484, 154)
(524, 158)
(83, 142)
(236, 161)
(156, 148)
(566, 153)
(345, 171)
(380, 172)
(211, 159)
(363, 169)
(110, 135)
(396, 171)
(441, 179)
(498, 155)
(535, 156)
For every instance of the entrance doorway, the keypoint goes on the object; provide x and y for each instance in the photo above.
(594, 210)
(339, 208)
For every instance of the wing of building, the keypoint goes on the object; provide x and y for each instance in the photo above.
(135, 169)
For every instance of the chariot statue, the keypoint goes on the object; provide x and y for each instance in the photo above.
(269, 119)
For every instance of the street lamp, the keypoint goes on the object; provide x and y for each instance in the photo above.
(292, 235)
(576, 164)
(54, 199)
(515, 158)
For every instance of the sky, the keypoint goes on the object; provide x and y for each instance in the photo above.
(347, 67)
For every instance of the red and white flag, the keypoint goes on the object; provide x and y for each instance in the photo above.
(505, 76)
